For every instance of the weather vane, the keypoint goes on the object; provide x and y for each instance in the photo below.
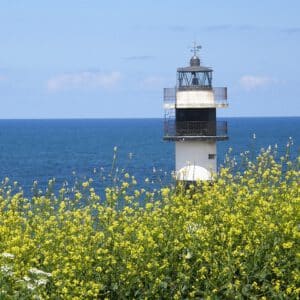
(195, 48)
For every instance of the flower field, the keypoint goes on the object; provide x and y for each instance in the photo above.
(235, 238)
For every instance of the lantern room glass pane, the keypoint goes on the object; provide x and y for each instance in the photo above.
(192, 80)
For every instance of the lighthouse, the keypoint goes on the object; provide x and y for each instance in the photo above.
(190, 121)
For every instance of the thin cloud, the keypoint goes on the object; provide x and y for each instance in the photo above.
(220, 27)
(291, 30)
(251, 82)
(86, 79)
(240, 28)
(138, 57)
(2, 77)
(247, 27)
(178, 28)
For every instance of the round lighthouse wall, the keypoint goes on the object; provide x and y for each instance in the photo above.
(195, 99)
(196, 153)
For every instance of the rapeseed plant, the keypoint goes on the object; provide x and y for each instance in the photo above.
(237, 237)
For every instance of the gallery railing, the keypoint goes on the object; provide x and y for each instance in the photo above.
(174, 128)
(220, 96)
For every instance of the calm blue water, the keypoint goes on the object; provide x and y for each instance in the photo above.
(42, 149)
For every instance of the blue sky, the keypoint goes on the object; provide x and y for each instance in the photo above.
(111, 59)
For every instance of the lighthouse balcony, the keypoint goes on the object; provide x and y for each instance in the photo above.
(195, 130)
(195, 97)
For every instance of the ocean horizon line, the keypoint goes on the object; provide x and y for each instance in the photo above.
(140, 118)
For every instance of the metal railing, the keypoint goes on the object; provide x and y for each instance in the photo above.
(220, 94)
(173, 128)
(169, 99)
(169, 94)
(194, 87)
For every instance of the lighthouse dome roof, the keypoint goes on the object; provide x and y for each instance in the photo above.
(193, 173)
(194, 66)
(195, 61)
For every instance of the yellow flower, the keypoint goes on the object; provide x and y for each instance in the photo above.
(85, 184)
(287, 245)
(125, 185)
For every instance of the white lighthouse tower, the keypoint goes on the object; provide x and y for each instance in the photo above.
(190, 120)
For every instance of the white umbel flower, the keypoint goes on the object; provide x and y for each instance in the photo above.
(7, 255)
(42, 281)
(36, 271)
(7, 270)
(30, 286)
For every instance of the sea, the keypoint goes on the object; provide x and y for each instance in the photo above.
(74, 150)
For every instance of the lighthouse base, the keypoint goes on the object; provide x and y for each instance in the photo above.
(195, 160)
